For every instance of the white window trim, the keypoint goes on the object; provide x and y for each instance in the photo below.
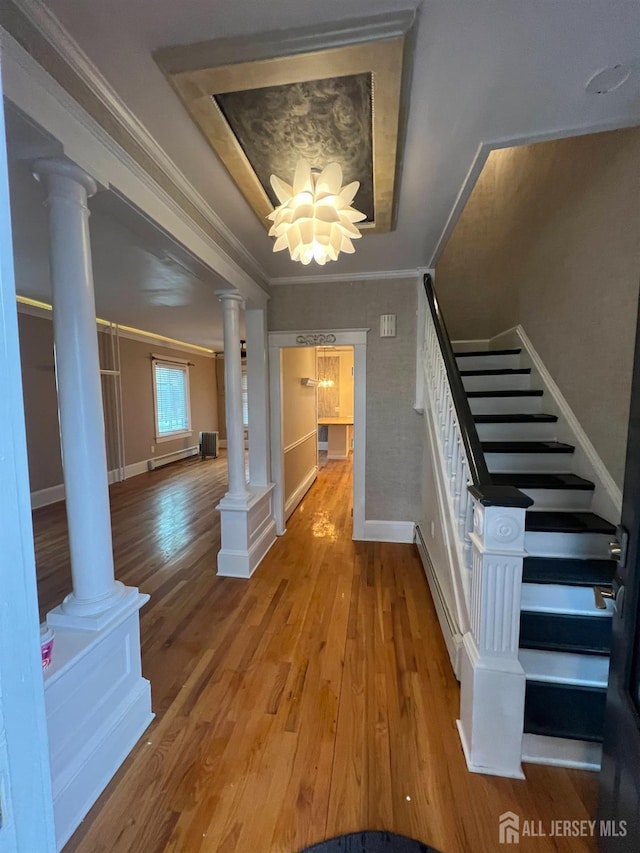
(179, 363)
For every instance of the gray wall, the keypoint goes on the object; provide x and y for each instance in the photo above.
(394, 429)
(550, 239)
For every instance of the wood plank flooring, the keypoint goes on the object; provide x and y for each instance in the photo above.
(315, 699)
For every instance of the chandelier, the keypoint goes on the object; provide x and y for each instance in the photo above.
(315, 220)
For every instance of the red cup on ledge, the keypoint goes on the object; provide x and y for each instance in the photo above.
(46, 644)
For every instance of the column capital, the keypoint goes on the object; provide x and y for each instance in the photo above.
(230, 296)
(59, 167)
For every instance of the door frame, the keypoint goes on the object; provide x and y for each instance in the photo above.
(357, 338)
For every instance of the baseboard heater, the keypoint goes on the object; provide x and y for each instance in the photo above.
(167, 458)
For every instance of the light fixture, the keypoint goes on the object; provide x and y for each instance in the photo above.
(326, 383)
(315, 220)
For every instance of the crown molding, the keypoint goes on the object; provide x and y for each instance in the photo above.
(50, 28)
(332, 278)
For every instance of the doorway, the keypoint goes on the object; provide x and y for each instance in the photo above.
(352, 341)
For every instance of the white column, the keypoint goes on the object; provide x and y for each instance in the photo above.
(257, 384)
(79, 389)
(232, 301)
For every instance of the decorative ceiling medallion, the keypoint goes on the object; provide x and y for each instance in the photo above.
(336, 98)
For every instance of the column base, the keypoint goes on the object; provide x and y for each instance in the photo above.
(93, 617)
(248, 530)
(491, 712)
(98, 705)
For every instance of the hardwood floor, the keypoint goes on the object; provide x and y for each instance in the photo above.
(315, 699)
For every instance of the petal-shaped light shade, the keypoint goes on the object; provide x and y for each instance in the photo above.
(315, 220)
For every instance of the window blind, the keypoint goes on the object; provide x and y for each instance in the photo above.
(172, 398)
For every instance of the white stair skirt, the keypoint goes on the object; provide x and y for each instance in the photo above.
(98, 705)
(561, 752)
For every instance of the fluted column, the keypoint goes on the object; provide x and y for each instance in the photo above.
(232, 301)
(79, 389)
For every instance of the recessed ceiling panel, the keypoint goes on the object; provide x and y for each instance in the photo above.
(339, 104)
(322, 121)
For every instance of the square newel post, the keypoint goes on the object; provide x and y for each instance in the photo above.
(492, 684)
(247, 526)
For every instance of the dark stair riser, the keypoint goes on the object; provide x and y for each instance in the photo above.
(562, 710)
(507, 393)
(487, 352)
(568, 572)
(560, 632)
(556, 521)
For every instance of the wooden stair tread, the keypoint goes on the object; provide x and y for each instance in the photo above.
(527, 447)
(543, 481)
(509, 392)
(497, 371)
(483, 352)
(517, 418)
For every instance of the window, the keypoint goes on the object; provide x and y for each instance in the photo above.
(171, 397)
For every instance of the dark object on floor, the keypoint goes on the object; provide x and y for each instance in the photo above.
(370, 842)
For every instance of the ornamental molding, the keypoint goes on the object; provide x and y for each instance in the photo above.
(316, 340)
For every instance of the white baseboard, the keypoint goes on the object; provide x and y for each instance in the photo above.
(388, 531)
(450, 631)
(54, 494)
(292, 502)
(44, 497)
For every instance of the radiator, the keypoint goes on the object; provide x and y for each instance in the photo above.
(208, 444)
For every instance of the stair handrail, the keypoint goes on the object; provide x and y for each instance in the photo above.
(481, 486)
(482, 529)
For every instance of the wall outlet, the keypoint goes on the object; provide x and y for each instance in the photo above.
(433, 530)
(153, 448)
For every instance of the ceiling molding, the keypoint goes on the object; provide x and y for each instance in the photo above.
(50, 28)
(331, 278)
(200, 75)
(44, 312)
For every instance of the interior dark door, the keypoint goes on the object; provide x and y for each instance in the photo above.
(620, 775)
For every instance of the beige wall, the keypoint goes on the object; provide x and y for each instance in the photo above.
(550, 239)
(299, 420)
(393, 427)
(43, 442)
(40, 401)
(137, 399)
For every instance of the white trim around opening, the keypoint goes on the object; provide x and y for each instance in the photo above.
(357, 338)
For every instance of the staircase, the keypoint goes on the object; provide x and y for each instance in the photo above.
(564, 636)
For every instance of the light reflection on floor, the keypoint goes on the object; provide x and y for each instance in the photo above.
(323, 527)
(171, 521)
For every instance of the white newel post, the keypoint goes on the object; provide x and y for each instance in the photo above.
(247, 525)
(79, 389)
(492, 679)
(97, 702)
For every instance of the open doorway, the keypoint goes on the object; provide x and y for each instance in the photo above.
(328, 426)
